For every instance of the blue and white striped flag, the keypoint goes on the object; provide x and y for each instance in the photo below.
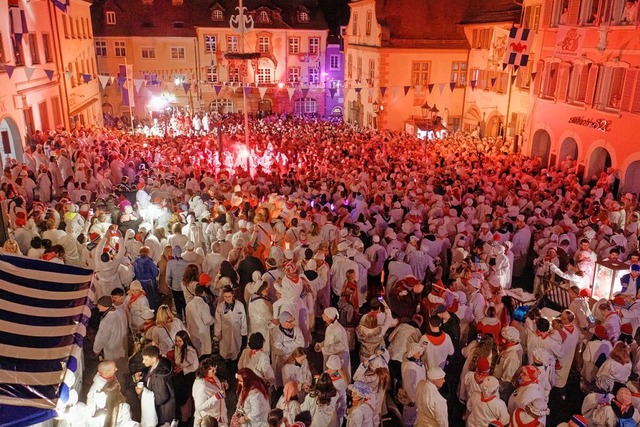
(44, 311)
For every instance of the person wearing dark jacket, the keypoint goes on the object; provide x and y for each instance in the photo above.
(157, 378)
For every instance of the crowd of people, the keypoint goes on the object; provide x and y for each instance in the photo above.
(347, 277)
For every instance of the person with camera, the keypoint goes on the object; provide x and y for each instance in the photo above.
(209, 395)
(253, 400)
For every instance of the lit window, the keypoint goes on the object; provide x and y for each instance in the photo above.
(420, 73)
(314, 45)
(210, 44)
(294, 45)
(263, 17)
(148, 53)
(305, 106)
(232, 43)
(314, 76)
(264, 44)
(216, 15)
(293, 74)
(459, 73)
(120, 48)
(178, 53)
(264, 74)
(303, 17)
(212, 74)
(111, 17)
(101, 47)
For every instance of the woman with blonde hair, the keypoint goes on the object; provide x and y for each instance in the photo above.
(164, 291)
(167, 326)
(618, 365)
(11, 247)
(296, 368)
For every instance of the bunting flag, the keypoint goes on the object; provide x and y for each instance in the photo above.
(305, 92)
(517, 53)
(406, 90)
(430, 87)
(186, 87)
(332, 92)
(86, 78)
(452, 86)
(217, 89)
(49, 74)
(291, 91)
(44, 311)
(104, 81)
(124, 79)
(358, 89)
(18, 20)
(262, 91)
(533, 76)
(137, 83)
(473, 84)
(9, 69)
(513, 78)
(441, 87)
(493, 81)
(383, 89)
(394, 91)
(418, 89)
(61, 4)
(28, 72)
(247, 91)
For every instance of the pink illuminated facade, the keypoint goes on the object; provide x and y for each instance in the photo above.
(586, 90)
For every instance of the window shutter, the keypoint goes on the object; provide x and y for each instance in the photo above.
(591, 85)
(573, 13)
(635, 104)
(548, 13)
(584, 77)
(526, 20)
(563, 81)
(539, 77)
(628, 90)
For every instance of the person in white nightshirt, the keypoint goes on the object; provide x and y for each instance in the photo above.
(413, 372)
(487, 406)
(432, 407)
(254, 358)
(361, 413)
(230, 326)
(253, 399)
(209, 393)
(438, 345)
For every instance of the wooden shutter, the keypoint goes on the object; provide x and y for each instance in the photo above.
(582, 83)
(547, 13)
(539, 76)
(628, 89)
(563, 82)
(526, 20)
(591, 85)
(635, 103)
(574, 12)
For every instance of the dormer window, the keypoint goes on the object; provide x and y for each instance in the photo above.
(216, 15)
(110, 17)
(303, 17)
(263, 17)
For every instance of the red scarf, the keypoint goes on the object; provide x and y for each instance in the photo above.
(148, 324)
(212, 380)
(520, 423)
(542, 335)
(436, 340)
(253, 352)
(480, 376)
(487, 399)
(135, 297)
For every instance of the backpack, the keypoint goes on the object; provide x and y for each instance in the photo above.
(626, 422)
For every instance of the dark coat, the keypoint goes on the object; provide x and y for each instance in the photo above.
(159, 381)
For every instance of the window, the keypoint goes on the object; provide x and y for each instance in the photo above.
(368, 23)
(550, 82)
(455, 124)
(314, 76)
(293, 74)
(578, 82)
(232, 43)
(294, 45)
(148, 53)
(33, 48)
(354, 27)
(2, 57)
(65, 24)
(82, 29)
(263, 17)
(234, 75)
(210, 44)
(46, 44)
(559, 12)
(212, 74)
(72, 27)
(120, 48)
(350, 66)
(359, 69)
(101, 47)
(420, 73)
(178, 53)
(314, 45)
(44, 115)
(18, 53)
(264, 74)
(111, 17)
(216, 15)
(55, 104)
(334, 62)
(372, 71)
(502, 82)
(611, 87)
(481, 38)
(588, 12)
(531, 18)
(223, 106)
(179, 79)
(150, 79)
(459, 73)
(523, 79)
(303, 17)
(264, 45)
(305, 106)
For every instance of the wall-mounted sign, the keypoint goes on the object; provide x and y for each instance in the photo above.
(598, 124)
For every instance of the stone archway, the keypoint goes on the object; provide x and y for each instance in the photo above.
(10, 141)
(569, 148)
(494, 125)
(541, 146)
(599, 161)
(631, 182)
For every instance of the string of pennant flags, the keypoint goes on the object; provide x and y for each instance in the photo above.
(122, 81)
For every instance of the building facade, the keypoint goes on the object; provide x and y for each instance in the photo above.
(187, 54)
(586, 91)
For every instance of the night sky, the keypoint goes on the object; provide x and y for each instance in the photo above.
(336, 12)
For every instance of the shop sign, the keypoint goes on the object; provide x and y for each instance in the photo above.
(598, 124)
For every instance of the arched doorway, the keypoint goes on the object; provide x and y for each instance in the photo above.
(107, 108)
(599, 161)
(631, 182)
(265, 107)
(569, 148)
(494, 125)
(337, 111)
(541, 146)
(11, 143)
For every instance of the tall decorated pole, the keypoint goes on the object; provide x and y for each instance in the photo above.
(241, 24)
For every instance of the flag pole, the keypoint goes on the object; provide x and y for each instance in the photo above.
(129, 92)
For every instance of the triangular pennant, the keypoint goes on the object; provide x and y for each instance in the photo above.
(305, 91)
(406, 90)
(473, 84)
(137, 83)
(86, 78)
(104, 81)
(418, 89)
(186, 87)
(68, 74)
(291, 91)
(441, 87)
(394, 91)
(515, 68)
(217, 89)
(28, 71)
(383, 89)
(18, 37)
(61, 4)
(332, 92)
(247, 91)
(358, 89)
(430, 87)
(49, 74)
(504, 66)
(513, 78)
(533, 76)
(452, 86)
(9, 69)
(262, 91)
(493, 81)
(121, 81)
(112, 79)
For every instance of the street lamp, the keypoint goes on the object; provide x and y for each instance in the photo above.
(434, 112)
(425, 108)
(376, 107)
